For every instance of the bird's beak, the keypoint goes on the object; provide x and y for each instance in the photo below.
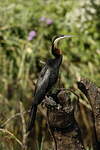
(62, 37)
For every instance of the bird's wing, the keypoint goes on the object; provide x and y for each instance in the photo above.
(41, 89)
(40, 77)
(44, 69)
(43, 79)
(42, 84)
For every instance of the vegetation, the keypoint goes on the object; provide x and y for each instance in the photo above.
(26, 30)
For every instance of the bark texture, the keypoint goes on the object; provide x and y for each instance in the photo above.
(92, 93)
(62, 124)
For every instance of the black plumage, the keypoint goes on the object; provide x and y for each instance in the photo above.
(47, 78)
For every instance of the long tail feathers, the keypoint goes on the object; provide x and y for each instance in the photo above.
(32, 117)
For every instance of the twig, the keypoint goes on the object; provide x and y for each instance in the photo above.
(12, 117)
(50, 130)
(11, 134)
(23, 127)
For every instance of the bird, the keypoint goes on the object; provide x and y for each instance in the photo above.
(47, 78)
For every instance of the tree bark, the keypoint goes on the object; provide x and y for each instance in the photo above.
(62, 124)
(92, 92)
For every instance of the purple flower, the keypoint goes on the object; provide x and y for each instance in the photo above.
(31, 35)
(42, 19)
(49, 21)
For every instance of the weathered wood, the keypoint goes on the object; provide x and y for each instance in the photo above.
(62, 123)
(92, 93)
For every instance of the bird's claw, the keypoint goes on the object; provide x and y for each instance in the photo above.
(49, 102)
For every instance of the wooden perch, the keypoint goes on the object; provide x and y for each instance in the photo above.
(68, 130)
(62, 123)
(92, 92)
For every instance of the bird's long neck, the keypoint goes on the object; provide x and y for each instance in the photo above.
(58, 56)
(58, 60)
(56, 52)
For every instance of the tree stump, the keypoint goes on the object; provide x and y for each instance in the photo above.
(61, 120)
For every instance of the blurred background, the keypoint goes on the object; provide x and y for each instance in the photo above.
(26, 31)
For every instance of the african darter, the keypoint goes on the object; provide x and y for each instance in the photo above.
(47, 78)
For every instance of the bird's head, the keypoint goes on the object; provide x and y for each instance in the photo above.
(55, 50)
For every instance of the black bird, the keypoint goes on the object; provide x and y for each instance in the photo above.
(47, 78)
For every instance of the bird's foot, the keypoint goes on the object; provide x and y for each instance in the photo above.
(50, 103)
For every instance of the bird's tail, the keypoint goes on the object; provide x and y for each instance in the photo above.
(32, 117)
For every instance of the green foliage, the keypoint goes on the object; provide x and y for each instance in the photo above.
(20, 57)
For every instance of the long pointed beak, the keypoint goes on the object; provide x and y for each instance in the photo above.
(66, 36)
(62, 37)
